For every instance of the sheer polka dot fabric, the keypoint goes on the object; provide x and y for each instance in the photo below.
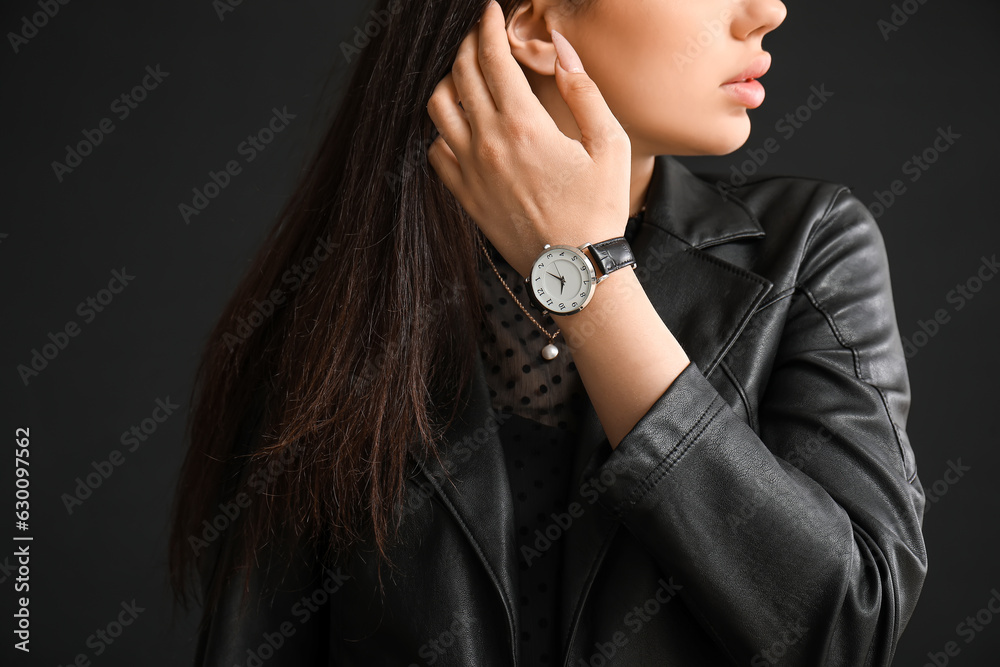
(544, 403)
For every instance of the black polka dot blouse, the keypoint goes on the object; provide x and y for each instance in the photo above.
(543, 403)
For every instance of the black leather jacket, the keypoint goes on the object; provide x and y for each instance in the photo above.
(765, 509)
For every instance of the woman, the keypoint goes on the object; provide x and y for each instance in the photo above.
(683, 443)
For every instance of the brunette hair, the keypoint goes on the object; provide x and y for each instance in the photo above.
(350, 339)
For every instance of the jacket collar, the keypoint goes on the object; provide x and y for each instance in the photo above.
(704, 301)
(694, 211)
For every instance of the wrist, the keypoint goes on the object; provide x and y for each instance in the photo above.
(618, 289)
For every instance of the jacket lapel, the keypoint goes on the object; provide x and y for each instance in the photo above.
(478, 492)
(704, 301)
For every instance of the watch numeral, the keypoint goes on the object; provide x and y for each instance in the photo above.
(562, 305)
(539, 290)
(541, 266)
(548, 302)
(548, 256)
(574, 304)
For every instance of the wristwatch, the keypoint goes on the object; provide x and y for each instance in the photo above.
(563, 278)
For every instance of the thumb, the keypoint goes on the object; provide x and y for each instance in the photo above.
(584, 99)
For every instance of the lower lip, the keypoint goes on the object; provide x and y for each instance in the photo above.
(749, 93)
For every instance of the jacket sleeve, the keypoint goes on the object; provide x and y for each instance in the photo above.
(803, 541)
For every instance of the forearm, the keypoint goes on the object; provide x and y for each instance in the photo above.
(624, 353)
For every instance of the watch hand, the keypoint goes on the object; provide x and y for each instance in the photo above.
(555, 276)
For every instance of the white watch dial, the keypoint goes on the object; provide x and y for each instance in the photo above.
(563, 279)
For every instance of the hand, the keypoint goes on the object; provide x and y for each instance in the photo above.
(522, 180)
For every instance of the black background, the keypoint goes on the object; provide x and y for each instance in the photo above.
(60, 241)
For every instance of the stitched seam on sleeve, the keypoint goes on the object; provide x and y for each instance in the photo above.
(895, 430)
(836, 330)
(824, 220)
(857, 371)
(649, 482)
(669, 461)
(681, 451)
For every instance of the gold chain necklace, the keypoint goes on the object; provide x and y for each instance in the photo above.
(550, 351)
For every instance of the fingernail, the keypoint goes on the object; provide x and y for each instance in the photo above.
(568, 58)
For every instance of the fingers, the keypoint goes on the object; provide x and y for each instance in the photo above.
(449, 119)
(454, 131)
(468, 79)
(445, 164)
(599, 129)
(504, 78)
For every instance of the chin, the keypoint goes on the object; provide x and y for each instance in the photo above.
(729, 135)
(719, 138)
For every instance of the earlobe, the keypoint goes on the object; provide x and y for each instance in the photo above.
(530, 40)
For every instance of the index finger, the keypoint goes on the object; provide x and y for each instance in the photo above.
(503, 75)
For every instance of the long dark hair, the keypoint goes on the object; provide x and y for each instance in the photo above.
(350, 339)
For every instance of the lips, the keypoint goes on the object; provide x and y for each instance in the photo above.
(758, 67)
(744, 87)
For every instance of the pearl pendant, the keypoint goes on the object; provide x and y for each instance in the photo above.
(550, 352)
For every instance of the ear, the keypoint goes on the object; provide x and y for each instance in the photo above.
(530, 38)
